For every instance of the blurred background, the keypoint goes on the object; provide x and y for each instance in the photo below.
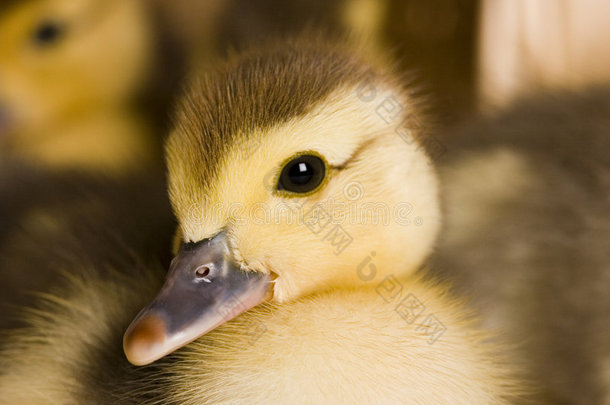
(87, 86)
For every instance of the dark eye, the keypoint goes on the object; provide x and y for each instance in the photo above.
(302, 174)
(47, 33)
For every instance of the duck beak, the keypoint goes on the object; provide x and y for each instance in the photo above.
(204, 289)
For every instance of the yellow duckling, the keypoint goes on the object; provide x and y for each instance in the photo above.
(70, 72)
(288, 171)
(305, 204)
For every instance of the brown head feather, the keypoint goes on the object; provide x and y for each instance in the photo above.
(260, 88)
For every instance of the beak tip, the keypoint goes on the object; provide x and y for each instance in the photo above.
(143, 339)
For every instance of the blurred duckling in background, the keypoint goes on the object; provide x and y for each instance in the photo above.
(527, 235)
(81, 83)
(70, 75)
(320, 309)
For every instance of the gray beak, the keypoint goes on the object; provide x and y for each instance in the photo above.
(204, 289)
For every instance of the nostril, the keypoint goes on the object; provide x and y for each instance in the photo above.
(202, 272)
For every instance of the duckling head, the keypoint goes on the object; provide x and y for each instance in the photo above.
(61, 60)
(290, 168)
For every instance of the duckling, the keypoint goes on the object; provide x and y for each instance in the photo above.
(317, 307)
(71, 75)
(246, 150)
(526, 203)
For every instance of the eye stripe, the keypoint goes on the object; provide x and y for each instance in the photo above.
(361, 148)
